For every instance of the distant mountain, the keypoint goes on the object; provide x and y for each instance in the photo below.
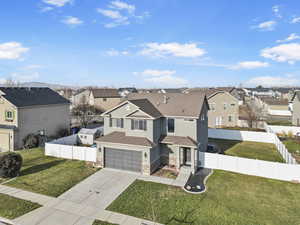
(41, 84)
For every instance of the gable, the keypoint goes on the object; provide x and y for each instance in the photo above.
(122, 110)
(138, 114)
(222, 96)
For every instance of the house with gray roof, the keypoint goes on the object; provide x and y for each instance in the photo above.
(150, 130)
(296, 108)
(26, 111)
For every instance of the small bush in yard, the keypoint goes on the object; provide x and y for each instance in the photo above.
(31, 141)
(10, 164)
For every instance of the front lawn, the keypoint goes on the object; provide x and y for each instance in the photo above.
(98, 222)
(48, 175)
(231, 199)
(280, 123)
(11, 207)
(248, 149)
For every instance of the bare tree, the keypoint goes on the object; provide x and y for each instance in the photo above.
(84, 113)
(11, 83)
(253, 115)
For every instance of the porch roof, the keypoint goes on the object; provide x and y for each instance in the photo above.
(178, 140)
(121, 138)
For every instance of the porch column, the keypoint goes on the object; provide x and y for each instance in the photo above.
(193, 160)
(178, 158)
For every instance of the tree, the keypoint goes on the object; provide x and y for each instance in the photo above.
(10, 164)
(31, 141)
(84, 113)
(11, 83)
(253, 115)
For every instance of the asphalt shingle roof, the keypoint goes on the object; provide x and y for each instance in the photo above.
(105, 93)
(22, 97)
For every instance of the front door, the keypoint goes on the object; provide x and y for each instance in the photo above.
(187, 156)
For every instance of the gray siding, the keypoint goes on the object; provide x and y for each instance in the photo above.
(296, 112)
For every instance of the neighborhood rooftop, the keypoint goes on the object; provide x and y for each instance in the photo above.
(23, 96)
(172, 104)
(105, 93)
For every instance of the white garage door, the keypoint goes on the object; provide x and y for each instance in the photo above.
(4, 142)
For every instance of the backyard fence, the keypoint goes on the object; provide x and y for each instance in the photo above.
(263, 137)
(273, 170)
(66, 148)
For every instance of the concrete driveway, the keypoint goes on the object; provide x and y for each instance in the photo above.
(82, 203)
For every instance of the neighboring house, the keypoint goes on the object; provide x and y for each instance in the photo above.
(275, 107)
(150, 130)
(296, 109)
(81, 97)
(223, 107)
(104, 98)
(30, 110)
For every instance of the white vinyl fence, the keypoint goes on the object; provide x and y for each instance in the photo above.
(66, 148)
(282, 129)
(263, 137)
(273, 170)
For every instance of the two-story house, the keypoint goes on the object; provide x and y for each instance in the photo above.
(149, 130)
(30, 110)
(296, 108)
(104, 98)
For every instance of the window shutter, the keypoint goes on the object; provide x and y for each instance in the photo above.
(110, 122)
(132, 124)
(145, 124)
(122, 123)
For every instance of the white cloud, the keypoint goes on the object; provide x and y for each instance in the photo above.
(162, 78)
(266, 26)
(72, 21)
(276, 11)
(249, 65)
(46, 9)
(114, 52)
(12, 50)
(25, 77)
(122, 6)
(283, 53)
(272, 81)
(291, 37)
(190, 50)
(116, 16)
(295, 20)
(57, 3)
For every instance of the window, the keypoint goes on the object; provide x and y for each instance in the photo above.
(138, 124)
(116, 122)
(202, 117)
(232, 104)
(104, 99)
(225, 106)
(171, 125)
(212, 106)
(9, 115)
(230, 118)
(190, 120)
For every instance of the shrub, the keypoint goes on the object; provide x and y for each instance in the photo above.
(31, 141)
(10, 164)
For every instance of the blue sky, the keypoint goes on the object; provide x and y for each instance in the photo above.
(151, 43)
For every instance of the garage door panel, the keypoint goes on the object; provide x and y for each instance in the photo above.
(4, 142)
(123, 159)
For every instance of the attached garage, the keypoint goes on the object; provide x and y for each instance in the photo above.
(4, 142)
(123, 159)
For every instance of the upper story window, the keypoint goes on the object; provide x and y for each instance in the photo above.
(225, 106)
(202, 117)
(9, 115)
(230, 118)
(171, 125)
(212, 106)
(116, 122)
(104, 99)
(138, 124)
(232, 104)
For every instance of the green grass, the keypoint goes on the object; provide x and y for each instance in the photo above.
(98, 222)
(293, 147)
(280, 123)
(11, 207)
(244, 129)
(248, 149)
(48, 175)
(231, 199)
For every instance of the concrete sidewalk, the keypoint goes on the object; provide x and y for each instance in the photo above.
(26, 195)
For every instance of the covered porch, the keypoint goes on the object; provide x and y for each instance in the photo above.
(185, 152)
